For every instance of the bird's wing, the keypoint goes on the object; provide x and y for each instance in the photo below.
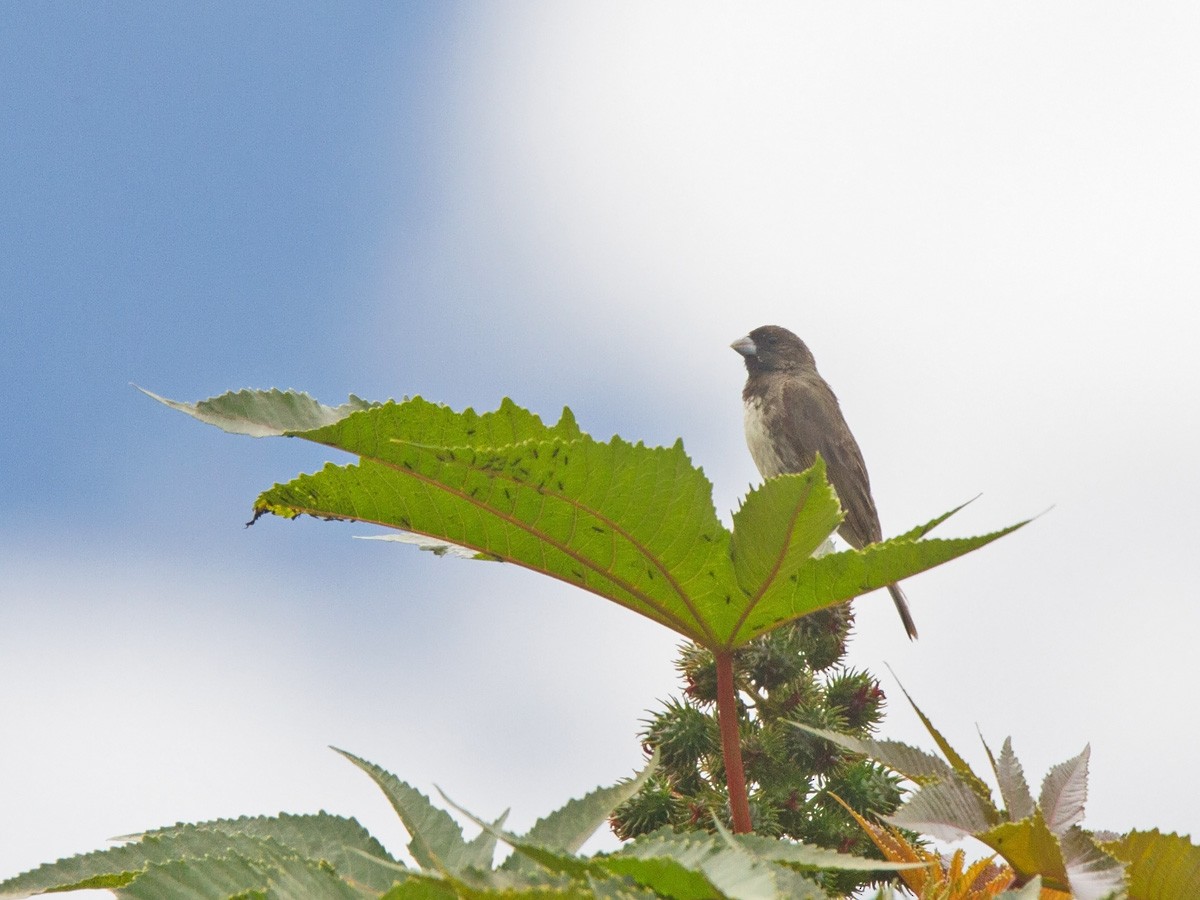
(815, 423)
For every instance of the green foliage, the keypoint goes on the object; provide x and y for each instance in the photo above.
(1041, 839)
(792, 672)
(631, 523)
(635, 525)
(326, 857)
(1160, 866)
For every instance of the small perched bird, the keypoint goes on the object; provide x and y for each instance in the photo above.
(791, 415)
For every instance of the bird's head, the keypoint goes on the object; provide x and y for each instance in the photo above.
(770, 348)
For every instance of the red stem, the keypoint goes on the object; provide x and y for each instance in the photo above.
(731, 744)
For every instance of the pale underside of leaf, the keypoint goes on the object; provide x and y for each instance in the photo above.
(1064, 792)
(947, 810)
(911, 762)
(1014, 789)
(433, 545)
(1092, 873)
(436, 840)
(264, 413)
(342, 842)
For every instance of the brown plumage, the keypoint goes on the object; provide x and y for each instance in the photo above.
(791, 415)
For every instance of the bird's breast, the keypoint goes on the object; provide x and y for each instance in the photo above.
(758, 439)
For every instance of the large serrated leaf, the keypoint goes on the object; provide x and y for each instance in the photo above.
(732, 871)
(422, 886)
(911, 762)
(1091, 873)
(342, 842)
(634, 524)
(436, 841)
(811, 858)
(270, 871)
(1064, 792)
(569, 827)
(1030, 848)
(200, 879)
(1014, 789)
(264, 413)
(775, 532)
(960, 766)
(298, 879)
(947, 810)
(631, 523)
(1160, 866)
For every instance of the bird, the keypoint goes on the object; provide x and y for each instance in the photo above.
(791, 414)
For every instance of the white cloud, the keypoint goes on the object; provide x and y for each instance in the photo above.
(142, 692)
(983, 221)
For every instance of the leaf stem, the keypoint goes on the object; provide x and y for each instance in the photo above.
(731, 744)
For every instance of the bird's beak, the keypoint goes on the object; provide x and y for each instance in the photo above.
(745, 346)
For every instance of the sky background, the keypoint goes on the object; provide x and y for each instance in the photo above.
(983, 218)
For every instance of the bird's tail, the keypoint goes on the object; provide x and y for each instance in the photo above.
(902, 608)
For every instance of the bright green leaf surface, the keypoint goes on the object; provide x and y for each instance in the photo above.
(631, 523)
(1161, 866)
(1030, 848)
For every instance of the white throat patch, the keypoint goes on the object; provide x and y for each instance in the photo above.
(762, 448)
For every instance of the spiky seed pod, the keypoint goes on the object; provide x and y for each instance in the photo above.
(858, 697)
(654, 806)
(683, 735)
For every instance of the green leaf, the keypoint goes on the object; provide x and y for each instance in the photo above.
(273, 874)
(780, 524)
(264, 413)
(299, 879)
(1030, 848)
(961, 769)
(1092, 873)
(568, 828)
(1031, 891)
(631, 523)
(436, 840)
(422, 886)
(811, 859)
(696, 864)
(1160, 866)
(205, 877)
(947, 810)
(693, 865)
(913, 763)
(836, 577)
(342, 842)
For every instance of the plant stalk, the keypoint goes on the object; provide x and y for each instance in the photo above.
(731, 744)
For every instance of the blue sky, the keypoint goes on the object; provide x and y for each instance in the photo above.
(982, 219)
